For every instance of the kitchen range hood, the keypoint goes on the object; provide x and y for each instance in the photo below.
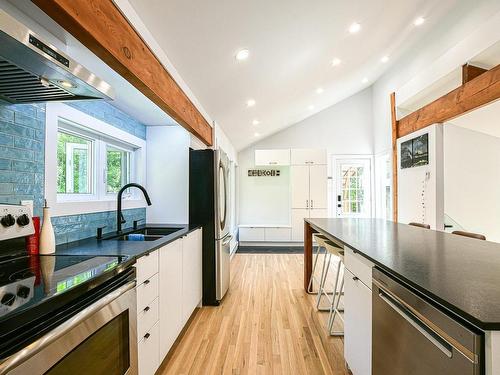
(32, 70)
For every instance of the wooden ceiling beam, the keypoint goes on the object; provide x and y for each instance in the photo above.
(469, 72)
(476, 93)
(100, 26)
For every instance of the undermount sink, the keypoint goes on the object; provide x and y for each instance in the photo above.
(148, 234)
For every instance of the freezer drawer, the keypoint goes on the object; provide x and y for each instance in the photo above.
(412, 336)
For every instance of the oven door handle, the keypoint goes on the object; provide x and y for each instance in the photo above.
(23, 355)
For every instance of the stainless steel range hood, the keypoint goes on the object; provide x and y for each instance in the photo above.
(32, 70)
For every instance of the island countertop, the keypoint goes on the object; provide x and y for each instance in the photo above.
(459, 273)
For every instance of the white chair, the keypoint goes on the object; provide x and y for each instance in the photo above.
(320, 241)
(336, 251)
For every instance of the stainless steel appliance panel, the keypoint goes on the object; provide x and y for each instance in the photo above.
(412, 336)
(222, 204)
(53, 352)
(223, 259)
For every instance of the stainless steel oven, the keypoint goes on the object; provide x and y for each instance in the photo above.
(412, 336)
(100, 338)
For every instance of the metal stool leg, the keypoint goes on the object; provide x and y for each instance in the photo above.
(334, 312)
(310, 286)
(324, 274)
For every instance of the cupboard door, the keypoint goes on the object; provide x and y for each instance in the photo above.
(318, 213)
(170, 294)
(147, 352)
(299, 177)
(191, 274)
(272, 157)
(318, 186)
(298, 216)
(357, 325)
(307, 156)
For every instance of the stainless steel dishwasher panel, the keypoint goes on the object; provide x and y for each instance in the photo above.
(411, 336)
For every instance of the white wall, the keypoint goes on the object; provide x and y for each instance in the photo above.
(168, 174)
(345, 128)
(472, 180)
(420, 189)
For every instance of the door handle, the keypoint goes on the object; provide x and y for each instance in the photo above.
(420, 326)
(307, 203)
(312, 203)
(227, 240)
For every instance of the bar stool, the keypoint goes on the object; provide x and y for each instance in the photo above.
(320, 240)
(420, 225)
(334, 307)
(469, 234)
(332, 250)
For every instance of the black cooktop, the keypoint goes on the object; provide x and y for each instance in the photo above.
(29, 281)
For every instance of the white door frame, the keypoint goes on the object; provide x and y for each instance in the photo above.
(335, 159)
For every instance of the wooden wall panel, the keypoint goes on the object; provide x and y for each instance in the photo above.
(99, 25)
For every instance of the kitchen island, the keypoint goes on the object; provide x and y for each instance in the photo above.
(458, 275)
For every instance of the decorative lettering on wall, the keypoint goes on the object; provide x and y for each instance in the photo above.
(264, 172)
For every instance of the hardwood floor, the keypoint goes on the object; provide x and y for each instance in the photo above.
(266, 324)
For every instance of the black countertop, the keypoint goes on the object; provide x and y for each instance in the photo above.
(461, 274)
(130, 249)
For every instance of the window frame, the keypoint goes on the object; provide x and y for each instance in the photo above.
(71, 120)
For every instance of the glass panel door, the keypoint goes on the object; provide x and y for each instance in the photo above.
(353, 178)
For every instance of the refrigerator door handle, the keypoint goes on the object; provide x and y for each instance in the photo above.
(227, 239)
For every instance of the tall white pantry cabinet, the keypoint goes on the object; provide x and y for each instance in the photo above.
(309, 188)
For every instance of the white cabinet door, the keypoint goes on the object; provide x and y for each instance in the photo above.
(318, 185)
(191, 274)
(357, 325)
(147, 351)
(272, 157)
(252, 234)
(308, 156)
(170, 294)
(298, 216)
(299, 178)
(278, 234)
(318, 213)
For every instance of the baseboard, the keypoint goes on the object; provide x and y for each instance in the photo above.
(273, 244)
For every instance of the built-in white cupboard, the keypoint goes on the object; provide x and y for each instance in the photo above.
(272, 157)
(169, 288)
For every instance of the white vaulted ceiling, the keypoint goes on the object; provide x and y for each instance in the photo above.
(292, 44)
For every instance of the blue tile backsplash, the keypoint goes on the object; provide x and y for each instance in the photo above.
(22, 145)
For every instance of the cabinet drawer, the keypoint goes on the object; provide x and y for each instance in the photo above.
(146, 318)
(147, 292)
(148, 352)
(252, 234)
(359, 266)
(278, 234)
(146, 266)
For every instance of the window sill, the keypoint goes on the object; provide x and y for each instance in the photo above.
(77, 208)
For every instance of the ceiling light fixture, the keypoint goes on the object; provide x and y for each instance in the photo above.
(311, 107)
(354, 28)
(256, 134)
(365, 80)
(319, 90)
(242, 54)
(250, 103)
(336, 62)
(419, 21)
(384, 59)
(255, 122)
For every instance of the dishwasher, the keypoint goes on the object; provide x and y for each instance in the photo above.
(413, 337)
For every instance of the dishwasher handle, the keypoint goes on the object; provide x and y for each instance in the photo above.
(419, 325)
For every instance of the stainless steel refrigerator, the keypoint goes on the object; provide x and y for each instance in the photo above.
(209, 206)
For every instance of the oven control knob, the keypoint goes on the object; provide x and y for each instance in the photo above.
(23, 292)
(23, 220)
(8, 220)
(8, 299)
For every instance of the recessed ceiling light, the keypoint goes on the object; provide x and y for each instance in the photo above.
(311, 107)
(242, 54)
(354, 28)
(419, 21)
(319, 90)
(250, 103)
(336, 62)
(255, 122)
(364, 80)
(256, 134)
(384, 59)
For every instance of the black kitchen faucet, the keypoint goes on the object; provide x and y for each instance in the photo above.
(119, 217)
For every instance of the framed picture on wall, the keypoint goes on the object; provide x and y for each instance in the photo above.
(415, 152)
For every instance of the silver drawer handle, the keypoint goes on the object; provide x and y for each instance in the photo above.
(419, 326)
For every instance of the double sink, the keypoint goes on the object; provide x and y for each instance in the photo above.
(145, 234)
